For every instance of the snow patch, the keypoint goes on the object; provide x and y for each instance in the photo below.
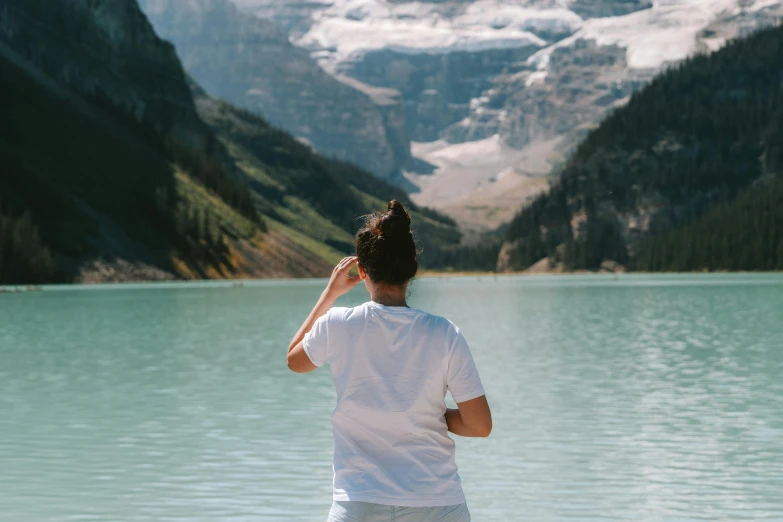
(762, 4)
(349, 27)
(469, 153)
(480, 183)
(538, 76)
(665, 33)
(505, 172)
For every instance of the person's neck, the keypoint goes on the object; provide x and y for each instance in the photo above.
(389, 296)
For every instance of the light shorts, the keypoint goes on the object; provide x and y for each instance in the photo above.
(349, 511)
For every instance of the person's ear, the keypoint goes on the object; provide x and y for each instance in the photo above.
(362, 273)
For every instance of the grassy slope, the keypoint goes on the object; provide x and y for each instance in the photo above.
(279, 251)
(316, 202)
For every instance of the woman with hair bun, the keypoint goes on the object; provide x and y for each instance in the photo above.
(392, 366)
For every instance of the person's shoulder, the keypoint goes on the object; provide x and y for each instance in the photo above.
(345, 313)
(437, 322)
(337, 313)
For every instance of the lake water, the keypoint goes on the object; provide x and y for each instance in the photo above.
(630, 398)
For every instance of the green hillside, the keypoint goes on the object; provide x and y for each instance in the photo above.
(320, 197)
(110, 171)
(656, 185)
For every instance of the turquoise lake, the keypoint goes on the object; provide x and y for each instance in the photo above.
(614, 398)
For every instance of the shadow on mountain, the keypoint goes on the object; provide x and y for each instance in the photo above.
(422, 167)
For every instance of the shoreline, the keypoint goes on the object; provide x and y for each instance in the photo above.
(438, 273)
(240, 283)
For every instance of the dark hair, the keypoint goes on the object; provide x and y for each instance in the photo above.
(385, 246)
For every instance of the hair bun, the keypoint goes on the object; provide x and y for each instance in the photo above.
(396, 222)
(386, 247)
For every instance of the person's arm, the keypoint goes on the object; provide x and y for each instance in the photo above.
(471, 418)
(340, 283)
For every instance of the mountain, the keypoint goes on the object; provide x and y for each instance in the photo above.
(100, 110)
(439, 55)
(686, 176)
(109, 170)
(250, 63)
(497, 93)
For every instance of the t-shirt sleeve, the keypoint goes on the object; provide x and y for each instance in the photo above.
(462, 378)
(316, 341)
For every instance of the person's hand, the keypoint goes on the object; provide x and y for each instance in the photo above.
(341, 282)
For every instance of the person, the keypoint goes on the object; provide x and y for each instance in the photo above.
(392, 366)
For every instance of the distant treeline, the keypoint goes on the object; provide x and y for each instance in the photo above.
(23, 258)
(746, 234)
(481, 256)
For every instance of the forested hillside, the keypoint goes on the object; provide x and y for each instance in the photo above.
(89, 145)
(683, 178)
(321, 197)
(746, 234)
(110, 172)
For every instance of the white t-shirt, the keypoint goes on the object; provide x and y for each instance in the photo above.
(392, 367)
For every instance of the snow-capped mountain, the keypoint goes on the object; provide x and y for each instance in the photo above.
(497, 92)
(248, 61)
(441, 55)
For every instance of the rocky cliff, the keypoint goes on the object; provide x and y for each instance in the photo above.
(249, 62)
(106, 51)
